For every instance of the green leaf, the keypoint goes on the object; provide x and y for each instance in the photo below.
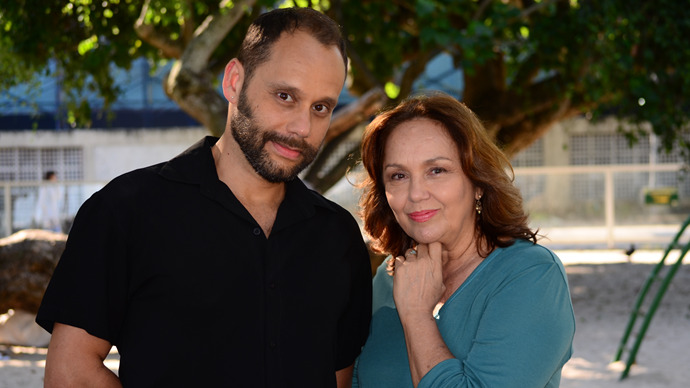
(392, 90)
(87, 45)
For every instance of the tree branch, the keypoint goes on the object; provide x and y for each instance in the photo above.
(211, 32)
(217, 64)
(415, 68)
(538, 97)
(485, 90)
(320, 179)
(195, 94)
(535, 7)
(169, 48)
(356, 112)
(518, 136)
(527, 71)
(365, 75)
(188, 22)
(480, 10)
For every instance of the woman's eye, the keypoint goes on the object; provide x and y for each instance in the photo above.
(397, 176)
(437, 170)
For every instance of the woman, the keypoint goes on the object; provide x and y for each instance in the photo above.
(468, 298)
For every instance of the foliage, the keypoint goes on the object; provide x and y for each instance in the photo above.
(526, 63)
(85, 38)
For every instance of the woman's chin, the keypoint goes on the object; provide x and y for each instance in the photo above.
(425, 238)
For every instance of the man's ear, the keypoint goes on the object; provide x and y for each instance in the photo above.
(232, 80)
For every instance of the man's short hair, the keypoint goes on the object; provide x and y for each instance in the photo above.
(268, 28)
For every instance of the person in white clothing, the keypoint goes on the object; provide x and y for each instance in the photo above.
(47, 212)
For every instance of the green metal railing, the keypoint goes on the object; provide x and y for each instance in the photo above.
(653, 276)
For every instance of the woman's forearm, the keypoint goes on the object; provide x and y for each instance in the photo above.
(425, 346)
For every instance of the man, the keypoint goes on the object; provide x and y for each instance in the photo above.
(219, 267)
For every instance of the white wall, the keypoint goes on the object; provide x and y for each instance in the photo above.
(109, 153)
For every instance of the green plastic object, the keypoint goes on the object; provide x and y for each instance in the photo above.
(661, 196)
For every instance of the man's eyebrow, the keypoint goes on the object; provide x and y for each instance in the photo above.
(297, 92)
(284, 87)
(330, 101)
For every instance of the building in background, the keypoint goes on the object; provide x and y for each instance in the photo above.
(146, 128)
(578, 175)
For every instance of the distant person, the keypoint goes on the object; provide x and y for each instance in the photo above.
(468, 298)
(48, 204)
(219, 268)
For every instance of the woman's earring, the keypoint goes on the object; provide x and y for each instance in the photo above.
(478, 206)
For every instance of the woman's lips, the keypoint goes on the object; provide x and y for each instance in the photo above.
(422, 216)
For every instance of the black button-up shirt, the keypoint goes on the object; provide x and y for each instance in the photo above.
(166, 264)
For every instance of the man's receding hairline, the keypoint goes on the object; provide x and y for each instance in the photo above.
(293, 32)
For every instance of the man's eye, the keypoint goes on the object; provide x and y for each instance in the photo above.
(285, 96)
(321, 108)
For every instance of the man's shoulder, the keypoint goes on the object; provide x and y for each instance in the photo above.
(326, 209)
(185, 167)
(320, 200)
(331, 206)
(138, 176)
(130, 184)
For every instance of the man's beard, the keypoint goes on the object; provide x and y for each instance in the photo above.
(252, 140)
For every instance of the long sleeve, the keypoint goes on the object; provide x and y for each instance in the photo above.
(522, 333)
(510, 324)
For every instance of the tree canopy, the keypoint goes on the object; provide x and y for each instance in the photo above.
(526, 64)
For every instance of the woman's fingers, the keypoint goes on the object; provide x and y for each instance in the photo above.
(435, 251)
(412, 254)
(423, 250)
(393, 262)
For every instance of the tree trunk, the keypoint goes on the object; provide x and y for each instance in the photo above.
(323, 173)
(195, 94)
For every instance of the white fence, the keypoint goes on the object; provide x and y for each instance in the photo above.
(606, 206)
(574, 206)
(19, 200)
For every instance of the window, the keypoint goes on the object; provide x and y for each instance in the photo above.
(31, 164)
(23, 164)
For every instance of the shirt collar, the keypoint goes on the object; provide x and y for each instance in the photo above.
(197, 166)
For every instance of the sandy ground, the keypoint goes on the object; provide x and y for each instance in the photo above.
(604, 286)
(603, 292)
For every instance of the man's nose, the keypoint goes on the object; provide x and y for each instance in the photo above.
(300, 123)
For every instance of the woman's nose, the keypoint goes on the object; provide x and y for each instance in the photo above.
(418, 189)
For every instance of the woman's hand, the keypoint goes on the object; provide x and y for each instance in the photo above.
(417, 288)
(418, 281)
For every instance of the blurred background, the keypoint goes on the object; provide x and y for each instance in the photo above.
(586, 98)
